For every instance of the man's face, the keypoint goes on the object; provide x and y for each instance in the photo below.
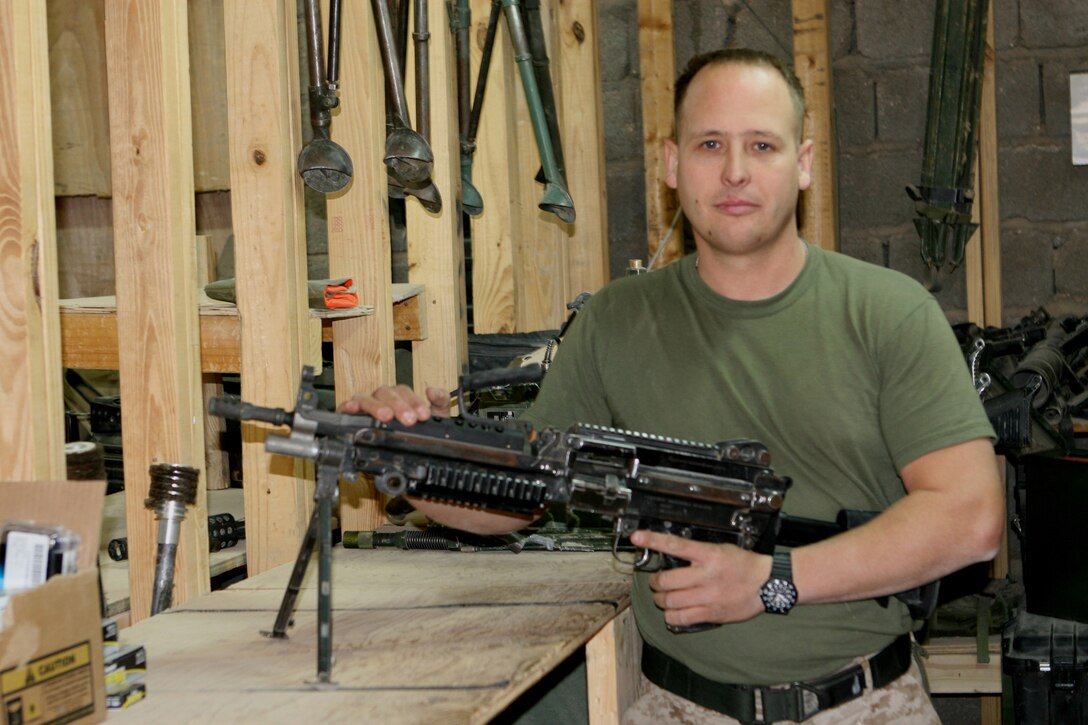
(736, 163)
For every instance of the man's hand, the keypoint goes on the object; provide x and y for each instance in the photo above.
(400, 402)
(720, 585)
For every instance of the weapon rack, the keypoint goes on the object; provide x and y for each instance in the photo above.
(124, 120)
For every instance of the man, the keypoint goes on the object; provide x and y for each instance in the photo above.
(848, 372)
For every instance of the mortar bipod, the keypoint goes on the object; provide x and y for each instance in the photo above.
(407, 154)
(557, 199)
(323, 164)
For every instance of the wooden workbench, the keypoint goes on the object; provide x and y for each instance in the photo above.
(418, 637)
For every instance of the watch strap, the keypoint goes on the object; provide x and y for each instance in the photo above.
(782, 566)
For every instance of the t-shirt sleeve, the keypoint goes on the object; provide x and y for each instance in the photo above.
(927, 398)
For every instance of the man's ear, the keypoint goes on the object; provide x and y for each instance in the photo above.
(805, 155)
(672, 159)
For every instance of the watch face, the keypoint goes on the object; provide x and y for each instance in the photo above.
(778, 595)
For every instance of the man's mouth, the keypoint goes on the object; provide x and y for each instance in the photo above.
(735, 206)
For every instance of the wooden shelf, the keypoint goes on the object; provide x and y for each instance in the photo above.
(953, 668)
(89, 330)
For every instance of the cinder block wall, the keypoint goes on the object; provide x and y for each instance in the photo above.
(881, 52)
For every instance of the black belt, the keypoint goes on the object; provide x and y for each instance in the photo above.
(798, 701)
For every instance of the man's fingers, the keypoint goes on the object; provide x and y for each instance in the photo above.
(387, 403)
(407, 407)
(440, 401)
(676, 546)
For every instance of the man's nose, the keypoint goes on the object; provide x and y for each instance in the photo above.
(734, 168)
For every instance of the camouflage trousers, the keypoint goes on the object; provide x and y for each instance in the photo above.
(903, 702)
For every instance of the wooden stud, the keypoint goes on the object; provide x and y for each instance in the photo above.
(147, 56)
(613, 660)
(358, 228)
(81, 122)
(495, 175)
(267, 209)
(812, 64)
(657, 73)
(582, 131)
(988, 198)
(209, 83)
(436, 245)
(31, 394)
(81, 115)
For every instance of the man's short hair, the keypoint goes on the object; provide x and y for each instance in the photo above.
(740, 56)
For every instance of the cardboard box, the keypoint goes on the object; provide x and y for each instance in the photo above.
(51, 666)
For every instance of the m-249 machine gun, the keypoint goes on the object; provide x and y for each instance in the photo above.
(721, 493)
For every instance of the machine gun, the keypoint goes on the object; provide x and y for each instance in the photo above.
(1033, 380)
(722, 493)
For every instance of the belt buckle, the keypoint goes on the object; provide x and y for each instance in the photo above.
(813, 697)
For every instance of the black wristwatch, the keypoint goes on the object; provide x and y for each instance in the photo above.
(778, 593)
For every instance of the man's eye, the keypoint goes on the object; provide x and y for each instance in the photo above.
(711, 144)
(763, 146)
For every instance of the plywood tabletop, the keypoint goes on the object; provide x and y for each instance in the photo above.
(418, 636)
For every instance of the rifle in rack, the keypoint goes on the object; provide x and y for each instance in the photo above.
(722, 493)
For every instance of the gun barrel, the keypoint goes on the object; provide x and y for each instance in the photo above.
(231, 406)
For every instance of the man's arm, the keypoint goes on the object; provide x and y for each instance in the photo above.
(953, 516)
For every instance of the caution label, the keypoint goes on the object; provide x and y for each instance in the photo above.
(56, 688)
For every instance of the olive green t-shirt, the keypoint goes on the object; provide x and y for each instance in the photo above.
(846, 376)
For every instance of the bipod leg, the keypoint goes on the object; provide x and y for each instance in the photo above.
(294, 584)
(327, 477)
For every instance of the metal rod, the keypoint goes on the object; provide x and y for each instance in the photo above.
(173, 488)
(485, 65)
(333, 74)
(394, 76)
(423, 70)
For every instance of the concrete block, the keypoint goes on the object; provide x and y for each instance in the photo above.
(1054, 23)
(1006, 23)
(622, 108)
(843, 30)
(1071, 260)
(683, 33)
(618, 40)
(902, 97)
(893, 31)
(1017, 97)
(626, 187)
(1027, 267)
(854, 107)
(872, 188)
(1040, 183)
